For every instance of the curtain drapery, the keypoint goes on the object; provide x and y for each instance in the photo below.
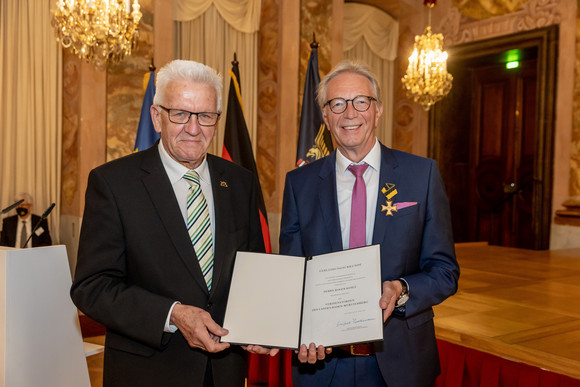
(371, 36)
(30, 107)
(231, 27)
(243, 15)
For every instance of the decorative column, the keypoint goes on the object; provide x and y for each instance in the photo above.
(101, 112)
(83, 144)
(570, 215)
(286, 29)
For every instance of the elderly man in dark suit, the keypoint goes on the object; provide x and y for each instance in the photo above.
(365, 193)
(16, 230)
(160, 231)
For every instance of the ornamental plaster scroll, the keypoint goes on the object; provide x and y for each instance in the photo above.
(483, 9)
(458, 28)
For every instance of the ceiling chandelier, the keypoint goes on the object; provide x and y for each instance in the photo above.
(427, 80)
(98, 31)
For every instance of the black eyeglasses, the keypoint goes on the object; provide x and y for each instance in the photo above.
(360, 103)
(178, 116)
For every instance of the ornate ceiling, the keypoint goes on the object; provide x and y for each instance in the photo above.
(475, 9)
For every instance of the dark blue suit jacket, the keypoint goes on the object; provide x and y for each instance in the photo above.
(416, 243)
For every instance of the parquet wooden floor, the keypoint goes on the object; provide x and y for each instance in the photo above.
(523, 305)
(95, 362)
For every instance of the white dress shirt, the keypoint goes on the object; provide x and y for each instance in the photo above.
(344, 185)
(175, 172)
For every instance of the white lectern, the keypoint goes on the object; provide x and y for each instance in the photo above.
(40, 336)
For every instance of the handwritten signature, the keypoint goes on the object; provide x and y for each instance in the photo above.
(354, 321)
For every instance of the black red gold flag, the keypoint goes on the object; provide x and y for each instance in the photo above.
(237, 145)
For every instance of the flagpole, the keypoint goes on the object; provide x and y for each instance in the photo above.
(314, 140)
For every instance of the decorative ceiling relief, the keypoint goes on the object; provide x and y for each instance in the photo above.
(483, 9)
(461, 28)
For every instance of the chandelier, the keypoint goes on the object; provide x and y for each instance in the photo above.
(98, 31)
(427, 80)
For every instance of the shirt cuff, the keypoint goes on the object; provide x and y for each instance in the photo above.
(170, 328)
(408, 287)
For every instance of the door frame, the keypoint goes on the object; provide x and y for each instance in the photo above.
(545, 40)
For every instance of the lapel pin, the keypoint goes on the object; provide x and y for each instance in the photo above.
(389, 191)
(223, 184)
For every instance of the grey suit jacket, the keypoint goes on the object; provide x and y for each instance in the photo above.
(135, 259)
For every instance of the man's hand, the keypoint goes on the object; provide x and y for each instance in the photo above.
(312, 353)
(391, 291)
(198, 328)
(261, 350)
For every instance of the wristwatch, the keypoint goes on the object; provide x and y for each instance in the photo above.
(404, 297)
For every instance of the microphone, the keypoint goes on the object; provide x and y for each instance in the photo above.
(47, 212)
(12, 206)
(42, 217)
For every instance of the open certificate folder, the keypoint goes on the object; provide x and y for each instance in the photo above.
(284, 301)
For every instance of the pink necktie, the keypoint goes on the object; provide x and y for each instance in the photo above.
(358, 210)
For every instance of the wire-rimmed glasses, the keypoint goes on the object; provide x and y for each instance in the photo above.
(178, 116)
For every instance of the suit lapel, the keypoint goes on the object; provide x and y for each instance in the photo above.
(328, 201)
(388, 174)
(162, 195)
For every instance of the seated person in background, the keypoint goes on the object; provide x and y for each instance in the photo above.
(16, 229)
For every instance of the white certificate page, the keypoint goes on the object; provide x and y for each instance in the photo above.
(341, 298)
(265, 300)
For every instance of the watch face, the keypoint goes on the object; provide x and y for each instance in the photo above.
(402, 300)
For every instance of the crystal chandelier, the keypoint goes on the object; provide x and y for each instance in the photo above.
(98, 31)
(427, 80)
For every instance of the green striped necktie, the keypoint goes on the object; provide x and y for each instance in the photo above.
(199, 226)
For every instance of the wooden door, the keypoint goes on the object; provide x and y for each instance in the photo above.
(501, 160)
(496, 127)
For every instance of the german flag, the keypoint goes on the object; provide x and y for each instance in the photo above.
(237, 144)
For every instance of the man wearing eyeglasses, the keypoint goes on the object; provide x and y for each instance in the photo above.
(363, 194)
(160, 231)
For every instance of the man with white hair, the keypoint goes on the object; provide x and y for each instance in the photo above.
(16, 229)
(141, 271)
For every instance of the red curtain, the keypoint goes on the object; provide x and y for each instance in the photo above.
(270, 371)
(466, 367)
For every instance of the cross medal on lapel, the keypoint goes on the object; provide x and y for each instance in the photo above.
(389, 191)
